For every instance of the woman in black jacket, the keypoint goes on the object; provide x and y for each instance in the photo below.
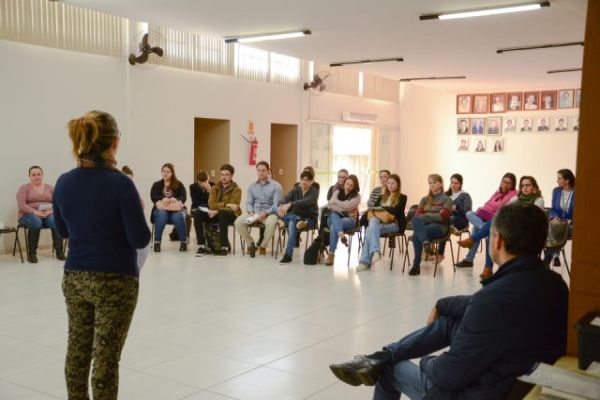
(168, 196)
(388, 217)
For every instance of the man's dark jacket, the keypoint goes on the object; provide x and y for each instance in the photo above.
(517, 319)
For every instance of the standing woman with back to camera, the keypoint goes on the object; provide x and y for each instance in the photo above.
(99, 210)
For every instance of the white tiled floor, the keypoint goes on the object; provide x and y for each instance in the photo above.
(218, 328)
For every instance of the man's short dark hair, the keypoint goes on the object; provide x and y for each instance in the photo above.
(523, 228)
(306, 174)
(227, 167)
(266, 164)
(202, 176)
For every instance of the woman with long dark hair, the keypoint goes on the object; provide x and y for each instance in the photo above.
(168, 196)
(99, 210)
(343, 206)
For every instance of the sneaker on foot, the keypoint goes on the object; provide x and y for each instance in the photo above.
(415, 270)
(375, 257)
(201, 250)
(464, 264)
(301, 225)
(286, 259)
(363, 267)
(252, 250)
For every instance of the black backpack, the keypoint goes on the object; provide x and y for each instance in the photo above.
(213, 240)
(311, 255)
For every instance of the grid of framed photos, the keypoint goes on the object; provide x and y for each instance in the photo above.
(536, 100)
(485, 133)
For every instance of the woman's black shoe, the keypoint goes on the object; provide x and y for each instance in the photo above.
(157, 247)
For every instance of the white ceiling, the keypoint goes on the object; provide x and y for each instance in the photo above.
(359, 29)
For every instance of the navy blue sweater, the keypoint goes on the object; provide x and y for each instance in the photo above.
(100, 212)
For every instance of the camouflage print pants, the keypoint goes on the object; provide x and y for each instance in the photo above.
(100, 307)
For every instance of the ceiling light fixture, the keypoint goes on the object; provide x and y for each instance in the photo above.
(267, 36)
(540, 46)
(480, 12)
(432, 78)
(558, 71)
(374, 60)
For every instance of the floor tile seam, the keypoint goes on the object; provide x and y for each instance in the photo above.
(187, 385)
(29, 369)
(319, 391)
(28, 388)
(209, 391)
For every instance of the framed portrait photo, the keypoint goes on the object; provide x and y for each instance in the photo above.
(566, 98)
(542, 124)
(548, 100)
(559, 124)
(497, 145)
(464, 104)
(577, 97)
(477, 126)
(531, 101)
(510, 125)
(493, 126)
(498, 102)
(574, 124)
(463, 126)
(481, 103)
(478, 145)
(525, 125)
(462, 145)
(515, 101)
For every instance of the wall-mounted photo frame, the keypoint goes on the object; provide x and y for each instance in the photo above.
(531, 101)
(559, 124)
(464, 104)
(477, 126)
(478, 145)
(525, 124)
(577, 97)
(566, 98)
(462, 144)
(548, 100)
(510, 125)
(515, 101)
(493, 126)
(463, 126)
(574, 123)
(542, 124)
(498, 102)
(481, 103)
(497, 145)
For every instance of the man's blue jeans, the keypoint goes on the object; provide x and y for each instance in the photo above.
(424, 233)
(402, 376)
(162, 217)
(290, 221)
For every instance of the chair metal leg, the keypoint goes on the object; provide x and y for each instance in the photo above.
(435, 254)
(566, 263)
(349, 249)
(452, 254)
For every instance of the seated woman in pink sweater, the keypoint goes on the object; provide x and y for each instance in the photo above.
(501, 197)
(34, 200)
(344, 214)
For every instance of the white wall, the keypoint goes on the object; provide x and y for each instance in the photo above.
(42, 88)
(428, 144)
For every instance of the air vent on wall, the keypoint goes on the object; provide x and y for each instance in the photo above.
(350, 116)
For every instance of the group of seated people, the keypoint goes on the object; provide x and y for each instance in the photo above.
(217, 206)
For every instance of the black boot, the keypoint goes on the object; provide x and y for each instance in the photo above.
(33, 237)
(363, 369)
(57, 243)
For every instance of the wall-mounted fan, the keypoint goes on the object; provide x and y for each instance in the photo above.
(148, 45)
(318, 84)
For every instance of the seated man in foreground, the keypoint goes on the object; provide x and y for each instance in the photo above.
(518, 318)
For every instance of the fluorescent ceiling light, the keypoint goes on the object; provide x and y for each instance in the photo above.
(267, 36)
(375, 60)
(540, 46)
(558, 71)
(487, 11)
(432, 78)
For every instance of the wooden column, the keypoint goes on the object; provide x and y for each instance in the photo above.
(585, 277)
